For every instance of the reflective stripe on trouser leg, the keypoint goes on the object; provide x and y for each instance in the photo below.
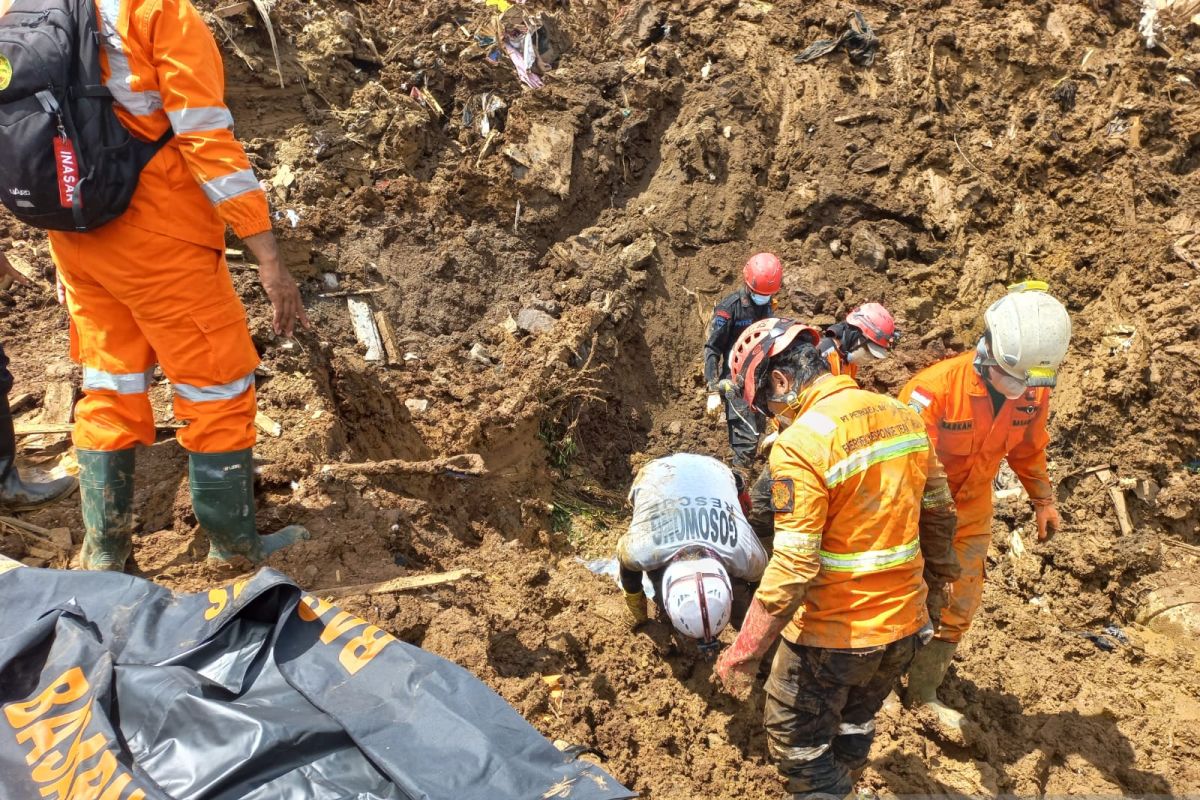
(964, 595)
(217, 426)
(115, 412)
(801, 716)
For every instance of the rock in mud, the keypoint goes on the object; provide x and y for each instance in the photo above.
(534, 322)
(868, 249)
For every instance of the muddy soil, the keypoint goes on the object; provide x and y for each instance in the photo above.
(987, 143)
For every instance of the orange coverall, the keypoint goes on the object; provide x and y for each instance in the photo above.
(970, 442)
(153, 286)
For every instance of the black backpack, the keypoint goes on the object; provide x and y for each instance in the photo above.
(66, 161)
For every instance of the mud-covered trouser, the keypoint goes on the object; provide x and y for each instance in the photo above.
(762, 515)
(963, 596)
(6, 378)
(743, 437)
(820, 711)
(137, 298)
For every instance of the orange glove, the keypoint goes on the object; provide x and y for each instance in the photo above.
(738, 664)
(1048, 520)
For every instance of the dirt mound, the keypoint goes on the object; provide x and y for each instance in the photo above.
(545, 259)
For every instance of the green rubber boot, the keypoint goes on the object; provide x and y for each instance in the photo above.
(925, 675)
(223, 498)
(106, 499)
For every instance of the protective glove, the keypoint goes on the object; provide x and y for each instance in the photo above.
(725, 387)
(936, 527)
(1048, 520)
(738, 665)
(636, 603)
(712, 408)
(935, 601)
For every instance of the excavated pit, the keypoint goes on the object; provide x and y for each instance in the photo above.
(671, 140)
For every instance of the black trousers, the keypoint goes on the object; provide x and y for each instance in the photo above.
(743, 437)
(820, 711)
(6, 378)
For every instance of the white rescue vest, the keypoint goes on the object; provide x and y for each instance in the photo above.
(685, 500)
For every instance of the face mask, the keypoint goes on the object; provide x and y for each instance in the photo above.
(760, 299)
(1005, 384)
(858, 356)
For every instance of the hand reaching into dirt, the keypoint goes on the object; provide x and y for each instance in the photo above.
(9, 274)
(279, 285)
(1048, 520)
(734, 675)
(738, 665)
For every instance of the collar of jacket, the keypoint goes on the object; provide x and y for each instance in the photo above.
(819, 389)
(975, 386)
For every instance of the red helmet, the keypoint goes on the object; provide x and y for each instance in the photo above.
(763, 273)
(876, 323)
(753, 350)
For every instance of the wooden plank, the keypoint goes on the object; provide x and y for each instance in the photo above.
(465, 464)
(19, 402)
(394, 356)
(267, 425)
(397, 584)
(352, 292)
(37, 534)
(58, 402)
(364, 328)
(40, 428)
(233, 9)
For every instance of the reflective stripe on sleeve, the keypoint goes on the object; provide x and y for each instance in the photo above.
(208, 394)
(119, 382)
(194, 120)
(885, 450)
(120, 75)
(870, 560)
(230, 186)
(806, 542)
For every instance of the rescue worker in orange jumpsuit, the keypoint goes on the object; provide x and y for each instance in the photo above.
(869, 331)
(979, 408)
(846, 584)
(152, 287)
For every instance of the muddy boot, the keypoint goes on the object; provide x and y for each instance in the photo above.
(925, 676)
(16, 494)
(223, 498)
(106, 499)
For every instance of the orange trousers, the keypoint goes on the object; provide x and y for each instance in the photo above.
(137, 298)
(971, 542)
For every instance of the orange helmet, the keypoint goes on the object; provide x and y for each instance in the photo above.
(877, 324)
(753, 350)
(763, 273)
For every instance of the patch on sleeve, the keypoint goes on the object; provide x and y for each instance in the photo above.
(918, 401)
(719, 321)
(783, 496)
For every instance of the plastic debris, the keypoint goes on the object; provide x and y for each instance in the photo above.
(1116, 633)
(484, 109)
(532, 42)
(860, 40)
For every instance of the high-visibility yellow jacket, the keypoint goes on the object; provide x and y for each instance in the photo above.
(848, 476)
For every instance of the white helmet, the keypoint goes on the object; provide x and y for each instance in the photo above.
(698, 597)
(1029, 332)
